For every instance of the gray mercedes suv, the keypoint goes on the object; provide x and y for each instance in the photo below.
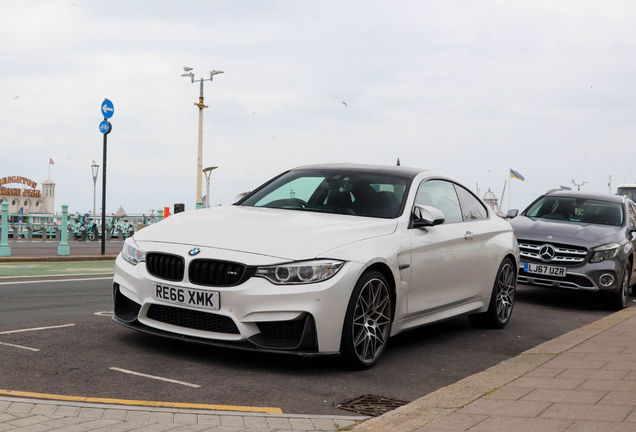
(580, 241)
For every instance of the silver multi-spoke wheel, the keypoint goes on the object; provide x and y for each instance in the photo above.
(371, 321)
(368, 321)
(505, 288)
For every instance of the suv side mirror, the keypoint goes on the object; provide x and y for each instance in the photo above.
(424, 216)
(512, 213)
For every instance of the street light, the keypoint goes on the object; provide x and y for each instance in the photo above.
(577, 184)
(201, 106)
(95, 170)
(207, 171)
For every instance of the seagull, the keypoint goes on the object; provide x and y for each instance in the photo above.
(16, 97)
(344, 103)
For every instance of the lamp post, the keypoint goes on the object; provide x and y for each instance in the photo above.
(578, 184)
(95, 170)
(189, 73)
(207, 172)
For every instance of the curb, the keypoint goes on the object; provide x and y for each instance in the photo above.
(447, 400)
(65, 258)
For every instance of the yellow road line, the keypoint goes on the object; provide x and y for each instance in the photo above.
(267, 410)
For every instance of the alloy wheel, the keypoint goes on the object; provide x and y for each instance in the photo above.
(505, 292)
(371, 320)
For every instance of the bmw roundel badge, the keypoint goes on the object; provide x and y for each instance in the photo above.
(194, 251)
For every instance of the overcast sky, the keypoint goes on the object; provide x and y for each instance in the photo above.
(469, 88)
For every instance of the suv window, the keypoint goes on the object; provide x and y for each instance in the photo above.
(441, 195)
(577, 210)
(472, 209)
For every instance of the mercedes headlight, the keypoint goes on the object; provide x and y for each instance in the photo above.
(303, 272)
(605, 252)
(132, 253)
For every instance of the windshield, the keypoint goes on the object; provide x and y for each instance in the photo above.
(577, 210)
(334, 191)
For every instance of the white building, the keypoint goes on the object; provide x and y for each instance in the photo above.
(491, 199)
(24, 197)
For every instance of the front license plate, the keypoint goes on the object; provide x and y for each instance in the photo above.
(544, 269)
(184, 296)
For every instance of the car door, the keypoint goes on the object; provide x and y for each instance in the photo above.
(632, 226)
(442, 257)
(478, 233)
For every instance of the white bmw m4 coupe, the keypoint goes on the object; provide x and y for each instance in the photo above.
(323, 259)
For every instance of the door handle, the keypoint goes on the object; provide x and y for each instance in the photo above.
(469, 235)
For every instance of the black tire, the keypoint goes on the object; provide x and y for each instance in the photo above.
(367, 324)
(82, 234)
(502, 299)
(618, 300)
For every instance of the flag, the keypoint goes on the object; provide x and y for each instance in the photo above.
(515, 174)
(51, 162)
(565, 188)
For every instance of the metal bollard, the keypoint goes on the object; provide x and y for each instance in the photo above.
(5, 250)
(63, 248)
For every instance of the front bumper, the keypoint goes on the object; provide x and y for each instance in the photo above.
(255, 315)
(585, 277)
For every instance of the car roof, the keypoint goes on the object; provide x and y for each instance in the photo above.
(588, 195)
(380, 169)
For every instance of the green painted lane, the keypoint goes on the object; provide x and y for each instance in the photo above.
(56, 268)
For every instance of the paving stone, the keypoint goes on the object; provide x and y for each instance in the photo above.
(115, 414)
(6, 427)
(544, 372)
(590, 426)
(548, 383)
(63, 422)
(611, 357)
(516, 424)
(161, 417)
(43, 409)
(232, 421)
(257, 422)
(91, 413)
(608, 385)
(512, 408)
(138, 416)
(619, 398)
(28, 421)
(67, 411)
(509, 393)
(598, 348)
(189, 419)
(282, 423)
(620, 365)
(4, 405)
(341, 424)
(454, 422)
(210, 420)
(323, 424)
(19, 407)
(301, 424)
(593, 374)
(568, 411)
(570, 396)
(32, 428)
(6, 417)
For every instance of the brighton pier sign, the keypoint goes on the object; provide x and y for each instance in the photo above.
(18, 191)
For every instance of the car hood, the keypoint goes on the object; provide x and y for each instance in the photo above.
(286, 234)
(574, 233)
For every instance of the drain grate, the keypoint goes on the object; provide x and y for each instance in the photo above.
(371, 405)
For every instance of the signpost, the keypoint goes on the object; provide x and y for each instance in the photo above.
(105, 127)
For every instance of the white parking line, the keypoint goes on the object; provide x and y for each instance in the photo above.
(155, 377)
(36, 328)
(19, 346)
(56, 280)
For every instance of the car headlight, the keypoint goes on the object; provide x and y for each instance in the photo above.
(132, 253)
(300, 272)
(605, 252)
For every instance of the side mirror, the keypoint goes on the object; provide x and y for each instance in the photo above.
(424, 216)
(512, 213)
(240, 197)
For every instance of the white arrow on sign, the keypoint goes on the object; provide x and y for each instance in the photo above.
(106, 108)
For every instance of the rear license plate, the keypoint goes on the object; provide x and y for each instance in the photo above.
(544, 269)
(184, 296)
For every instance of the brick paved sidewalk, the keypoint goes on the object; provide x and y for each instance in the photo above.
(27, 415)
(583, 381)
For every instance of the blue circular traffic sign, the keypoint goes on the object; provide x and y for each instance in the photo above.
(105, 127)
(107, 109)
